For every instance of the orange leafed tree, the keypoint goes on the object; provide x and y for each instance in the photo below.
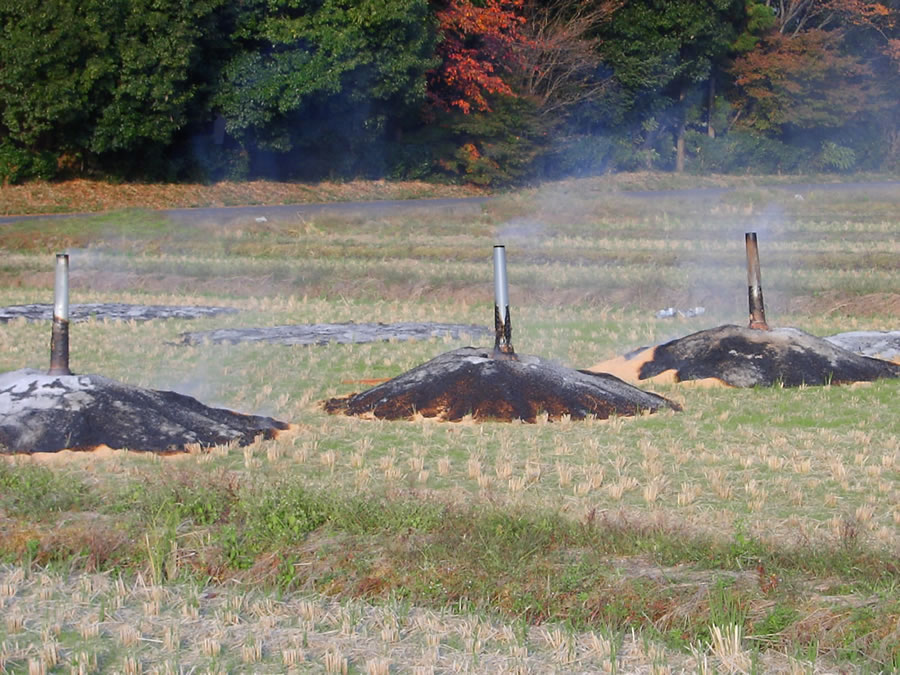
(803, 74)
(477, 48)
(802, 80)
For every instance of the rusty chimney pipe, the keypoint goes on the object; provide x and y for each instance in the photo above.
(59, 337)
(503, 348)
(754, 285)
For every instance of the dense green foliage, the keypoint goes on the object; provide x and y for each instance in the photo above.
(329, 80)
(110, 80)
(332, 88)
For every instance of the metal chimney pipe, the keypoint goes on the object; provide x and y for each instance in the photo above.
(754, 284)
(502, 329)
(59, 337)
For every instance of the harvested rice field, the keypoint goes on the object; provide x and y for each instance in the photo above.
(742, 529)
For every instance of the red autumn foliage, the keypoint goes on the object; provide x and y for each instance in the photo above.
(802, 73)
(478, 44)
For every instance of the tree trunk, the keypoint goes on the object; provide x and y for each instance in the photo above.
(679, 135)
(710, 107)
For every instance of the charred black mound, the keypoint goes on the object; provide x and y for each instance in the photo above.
(112, 311)
(742, 357)
(340, 333)
(47, 413)
(468, 381)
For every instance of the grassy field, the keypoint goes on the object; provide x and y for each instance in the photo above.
(756, 531)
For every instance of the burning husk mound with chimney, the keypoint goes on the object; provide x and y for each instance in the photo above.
(757, 355)
(46, 413)
(498, 384)
(472, 381)
(57, 410)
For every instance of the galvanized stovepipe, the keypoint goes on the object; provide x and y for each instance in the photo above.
(59, 337)
(502, 329)
(754, 284)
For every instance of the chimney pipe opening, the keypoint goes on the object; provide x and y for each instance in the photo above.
(754, 284)
(59, 336)
(502, 329)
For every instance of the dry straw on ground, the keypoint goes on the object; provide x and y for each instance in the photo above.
(89, 196)
(807, 467)
(98, 623)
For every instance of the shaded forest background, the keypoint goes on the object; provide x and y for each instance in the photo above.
(490, 92)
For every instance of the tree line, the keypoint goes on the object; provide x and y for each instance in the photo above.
(484, 91)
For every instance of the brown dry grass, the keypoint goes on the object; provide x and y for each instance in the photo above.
(182, 628)
(94, 196)
(83, 195)
(847, 304)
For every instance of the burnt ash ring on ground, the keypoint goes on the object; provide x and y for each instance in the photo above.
(112, 311)
(46, 413)
(339, 333)
(469, 381)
